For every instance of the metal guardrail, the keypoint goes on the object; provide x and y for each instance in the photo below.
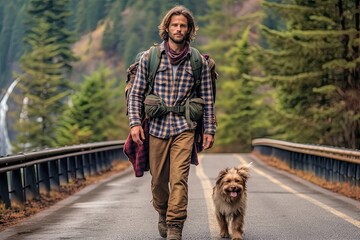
(25, 176)
(329, 163)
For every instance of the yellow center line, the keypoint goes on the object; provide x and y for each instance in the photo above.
(345, 217)
(207, 188)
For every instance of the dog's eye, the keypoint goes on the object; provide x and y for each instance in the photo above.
(237, 180)
(228, 180)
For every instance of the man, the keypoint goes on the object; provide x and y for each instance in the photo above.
(171, 137)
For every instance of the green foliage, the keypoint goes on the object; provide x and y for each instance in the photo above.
(92, 113)
(313, 63)
(55, 13)
(239, 104)
(43, 68)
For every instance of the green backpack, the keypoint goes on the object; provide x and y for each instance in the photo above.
(154, 106)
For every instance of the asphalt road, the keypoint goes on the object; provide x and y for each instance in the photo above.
(280, 206)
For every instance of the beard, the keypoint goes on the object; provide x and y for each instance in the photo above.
(178, 40)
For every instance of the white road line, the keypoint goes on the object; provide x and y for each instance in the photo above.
(345, 217)
(207, 188)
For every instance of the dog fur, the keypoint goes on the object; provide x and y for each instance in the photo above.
(230, 196)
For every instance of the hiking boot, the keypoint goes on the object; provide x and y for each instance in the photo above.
(174, 232)
(162, 226)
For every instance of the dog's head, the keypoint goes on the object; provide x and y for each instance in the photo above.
(231, 182)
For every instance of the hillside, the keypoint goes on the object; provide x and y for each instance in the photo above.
(89, 47)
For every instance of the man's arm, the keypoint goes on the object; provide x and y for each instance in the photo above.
(206, 93)
(136, 99)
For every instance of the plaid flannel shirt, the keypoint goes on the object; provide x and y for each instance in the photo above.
(174, 92)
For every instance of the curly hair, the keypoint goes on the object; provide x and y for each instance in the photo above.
(178, 10)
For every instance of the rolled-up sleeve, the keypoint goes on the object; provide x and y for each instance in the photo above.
(206, 93)
(136, 97)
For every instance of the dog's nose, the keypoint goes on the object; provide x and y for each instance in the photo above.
(232, 188)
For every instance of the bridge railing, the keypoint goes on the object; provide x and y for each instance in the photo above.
(329, 163)
(25, 176)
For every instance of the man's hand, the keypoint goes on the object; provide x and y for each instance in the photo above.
(137, 134)
(208, 141)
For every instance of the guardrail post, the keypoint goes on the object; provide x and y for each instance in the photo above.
(105, 161)
(79, 167)
(71, 168)
(343, 171)
(86, 165)
(63, 175)
(4, 190)
(16, 193)
(336, 171)
(97, 162)
(93, 166)
(31, 191)
(109, 159)
(100, 161)
(54, 175)
(44, 181)
(351, 174)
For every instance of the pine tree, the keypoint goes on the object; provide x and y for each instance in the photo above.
(237, 104)
(314, 65)
(242, 115)
(56, 13)
(43, 69)
(93, 113)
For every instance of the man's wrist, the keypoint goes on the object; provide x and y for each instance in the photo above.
(209, 132)
(134, 124)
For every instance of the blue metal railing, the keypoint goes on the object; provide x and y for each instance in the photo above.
(25, 176)
(329, 163)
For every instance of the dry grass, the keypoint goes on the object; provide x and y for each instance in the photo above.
(15, 214)
(343, 188)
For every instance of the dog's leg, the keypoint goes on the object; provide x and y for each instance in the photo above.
(237, 225)
(224, 230)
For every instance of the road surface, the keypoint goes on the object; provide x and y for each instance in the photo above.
(280, 206)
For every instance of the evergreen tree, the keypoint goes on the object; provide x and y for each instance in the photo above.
(42, 81)
(56, 13)
(92, 114)
(237, 105)
(242, 116)
(313, 64)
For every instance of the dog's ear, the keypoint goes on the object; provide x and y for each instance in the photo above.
(243, 171)
(221, 175)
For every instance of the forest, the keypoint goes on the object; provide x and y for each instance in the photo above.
(288, 69)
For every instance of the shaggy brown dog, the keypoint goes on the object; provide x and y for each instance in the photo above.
(229, 196)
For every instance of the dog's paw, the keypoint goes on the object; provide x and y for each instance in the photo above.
(237, 238)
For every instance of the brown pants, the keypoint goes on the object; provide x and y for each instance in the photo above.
(170, 163)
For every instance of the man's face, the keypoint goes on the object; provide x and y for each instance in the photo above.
(178, 29)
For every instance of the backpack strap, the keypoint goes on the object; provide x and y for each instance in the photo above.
(196, 66)
(153, 64)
